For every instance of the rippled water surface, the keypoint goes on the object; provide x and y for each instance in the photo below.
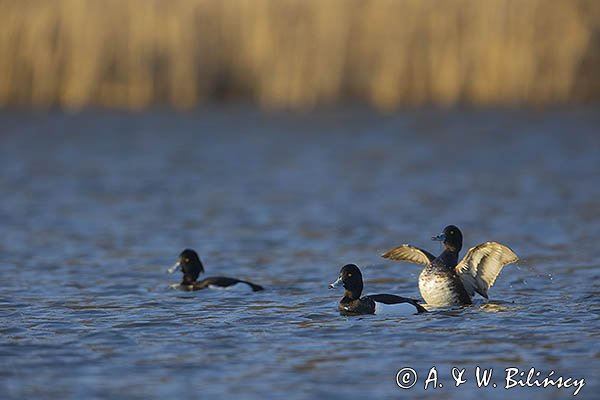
(96, 206)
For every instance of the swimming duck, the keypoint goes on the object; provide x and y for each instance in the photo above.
(191, 266)
(444, 281)
(352, 304)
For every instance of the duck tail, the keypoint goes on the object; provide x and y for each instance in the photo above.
(255, 287)
(420, 308)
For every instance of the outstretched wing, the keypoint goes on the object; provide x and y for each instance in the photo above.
(406, 252)
(482, 264)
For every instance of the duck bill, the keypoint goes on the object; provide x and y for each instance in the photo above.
(174, 268)
(335, 284)
(440, 238)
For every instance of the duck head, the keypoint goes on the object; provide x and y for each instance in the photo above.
(351, 279)
(452, 238)
(190, 264)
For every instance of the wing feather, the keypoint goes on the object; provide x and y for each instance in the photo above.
(406, 252)
(481, 266)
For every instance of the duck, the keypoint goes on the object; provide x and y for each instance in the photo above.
(447, 282)
(352, 304)
(189, 263)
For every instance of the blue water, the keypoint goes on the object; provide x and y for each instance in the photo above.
(96, 206)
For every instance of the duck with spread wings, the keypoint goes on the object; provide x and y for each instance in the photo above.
(444, 281)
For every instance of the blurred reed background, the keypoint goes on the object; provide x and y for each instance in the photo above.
(298, 53)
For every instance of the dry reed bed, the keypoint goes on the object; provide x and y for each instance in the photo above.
(298, 53)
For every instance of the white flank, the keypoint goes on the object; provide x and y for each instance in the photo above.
(237, 287)
(400, 309)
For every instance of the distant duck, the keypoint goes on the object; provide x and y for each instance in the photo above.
(192, 267)
(445, 281)
(352, 304)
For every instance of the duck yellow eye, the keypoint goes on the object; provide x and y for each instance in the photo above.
(349, 275)
(452, 232)
(187, 260)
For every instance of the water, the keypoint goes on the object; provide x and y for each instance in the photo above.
(96, 206)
